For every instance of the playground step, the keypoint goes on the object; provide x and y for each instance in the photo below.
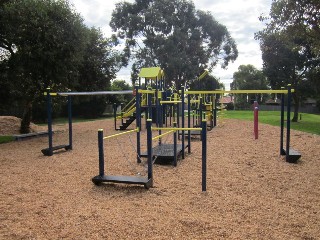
(123, 179)
(47, 152)
(293, 157)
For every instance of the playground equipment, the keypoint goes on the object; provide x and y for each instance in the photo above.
(147, 182)
(255, 119)
(292, 155)
(50, 150)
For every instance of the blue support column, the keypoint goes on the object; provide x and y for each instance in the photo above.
(215, 112)
(115, 115)
(288, 123)
(149, 150)
(189, 125)
(138, 122)
(282, 152)
(49, 114)
(182, 123)
(70, 121)
(204, 154)
(101, 153)
(175, 145)
(149, 115)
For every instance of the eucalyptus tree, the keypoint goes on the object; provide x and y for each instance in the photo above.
(174, 35)
(45, 43)
(249, 77)
(290, 47)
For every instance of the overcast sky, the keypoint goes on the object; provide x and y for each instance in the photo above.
(239, 16)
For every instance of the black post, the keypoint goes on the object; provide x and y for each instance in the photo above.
(204, 155)
(149, 149)
(182, 124)
(101, 153)
(138, 122)
(215, 112)
(149, 116)
(70, 121)
(175, 145)
(49, 113)
(121, 105)
(115, 115)
(282, 152)
(189, 125)
(288, 123)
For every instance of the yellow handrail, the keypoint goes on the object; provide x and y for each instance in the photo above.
(163, 134)
(118, 134)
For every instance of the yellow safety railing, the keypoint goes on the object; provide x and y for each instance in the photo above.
(122, 133)
(163, 134)
(175, 129)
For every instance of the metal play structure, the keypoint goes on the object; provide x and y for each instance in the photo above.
(51, 148)
(167, 112)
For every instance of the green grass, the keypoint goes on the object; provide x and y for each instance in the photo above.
(5, 139)
(309, 122)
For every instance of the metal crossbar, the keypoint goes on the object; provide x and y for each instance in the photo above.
(176, 129)
(237, 91)
(94, 93)
(163, 134)
(118, 134)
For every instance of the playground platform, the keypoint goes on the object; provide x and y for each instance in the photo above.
(164, 153)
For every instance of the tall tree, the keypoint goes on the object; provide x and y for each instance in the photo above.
(249, 77)
(290, 47)
(44, 44)
(174, 35)
(45, 39)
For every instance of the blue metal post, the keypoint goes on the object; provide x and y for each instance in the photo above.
(215, 112)
(182, 124)
(159, 116)
(204, 155)
(189, 125)
(282, 123)
(115, 115)
(149, 116)
(49, 113)
(149, 149)
(175, 146)
(288, 123)
(70, 121)
(200, 110)
(101, 153)
(138, 121)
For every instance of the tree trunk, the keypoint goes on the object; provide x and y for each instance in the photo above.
(296, 107)
(26, 118)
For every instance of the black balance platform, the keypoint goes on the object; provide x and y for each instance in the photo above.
(293, 155)
(147, 183)
(164, 153)
(46, 151)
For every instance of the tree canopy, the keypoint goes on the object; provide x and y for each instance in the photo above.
(249, 77)
(290, 47)
(44, 43)
(174, 35)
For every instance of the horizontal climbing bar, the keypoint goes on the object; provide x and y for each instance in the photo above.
(237, 91)
(176, 129)
(94, 93)
(118, 134)
(168, 102)
(163, 134)
(65, 94)
(146, 91)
